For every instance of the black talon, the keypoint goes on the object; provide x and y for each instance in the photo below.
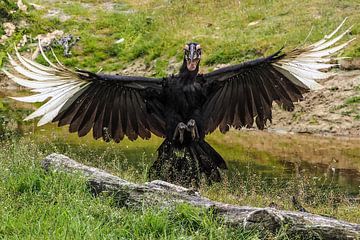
(179, 130)
(192, 128)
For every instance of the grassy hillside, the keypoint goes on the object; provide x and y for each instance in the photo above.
(34, 204)
(155, 31)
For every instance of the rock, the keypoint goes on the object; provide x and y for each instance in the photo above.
(350, 64)
(23, 41)
(46, 40)
(9, 29)
(119, 40)
(253, 23)
(21, 6)
(36, 6)
(57, 13)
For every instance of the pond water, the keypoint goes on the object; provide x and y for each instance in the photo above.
(346, 180)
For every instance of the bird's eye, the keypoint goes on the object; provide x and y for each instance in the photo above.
(187, 54)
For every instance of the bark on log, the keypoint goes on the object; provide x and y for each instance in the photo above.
(167, 194)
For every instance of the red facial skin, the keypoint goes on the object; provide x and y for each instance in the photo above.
(192, 64)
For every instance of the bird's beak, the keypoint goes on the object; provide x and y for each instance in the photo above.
(192, 64)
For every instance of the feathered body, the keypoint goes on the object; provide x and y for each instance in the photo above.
(182, 108)
(184, 96)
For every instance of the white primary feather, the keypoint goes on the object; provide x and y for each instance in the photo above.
(55, 82)
(304, 64)
(314, 65)
(52, 51)
(41, 67)
(290, 76)
(29, 66)
(305, 72)
(310, 83)
(300, 81)
(49, 92)
(327, 37)
(329, 43)
(32, 75)
(327, 52)
(54, 102)
(47, 59)
(32, 84)
(50, 116)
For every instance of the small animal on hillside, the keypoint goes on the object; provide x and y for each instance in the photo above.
(181, 108)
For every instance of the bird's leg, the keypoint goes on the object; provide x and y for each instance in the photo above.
(192, 128)
(179, 130)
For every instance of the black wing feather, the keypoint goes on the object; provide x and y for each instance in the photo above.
(89, 118)
(79, 116)
(108, 110)
(115, 116)
(115, 106)
(66, 116)
(97, 127)
(241, 94)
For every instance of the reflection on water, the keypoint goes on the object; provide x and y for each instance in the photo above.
(349, 179)
(346, 179)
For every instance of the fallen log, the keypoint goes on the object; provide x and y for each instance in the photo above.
(167, 194)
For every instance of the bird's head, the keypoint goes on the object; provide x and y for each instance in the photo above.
(192, 55)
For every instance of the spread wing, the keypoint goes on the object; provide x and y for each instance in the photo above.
(113, 106)
(241, 94)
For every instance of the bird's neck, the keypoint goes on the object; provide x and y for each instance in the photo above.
(186, 74)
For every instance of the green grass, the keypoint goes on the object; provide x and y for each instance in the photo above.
(353, 100)
(351, 105)
(39, 205)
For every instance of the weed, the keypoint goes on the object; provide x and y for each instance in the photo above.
(353, 100)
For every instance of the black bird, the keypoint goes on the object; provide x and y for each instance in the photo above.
(181, 108)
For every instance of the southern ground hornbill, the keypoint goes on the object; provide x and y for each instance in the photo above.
(181, 108)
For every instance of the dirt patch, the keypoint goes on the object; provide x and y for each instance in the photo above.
(138, 68)
(57, 13)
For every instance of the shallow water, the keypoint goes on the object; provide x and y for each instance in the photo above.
(345, 180)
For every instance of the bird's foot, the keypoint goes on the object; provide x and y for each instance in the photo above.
(192, 128)
(179, 131)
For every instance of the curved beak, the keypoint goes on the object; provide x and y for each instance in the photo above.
(193, 60)
(192, 64)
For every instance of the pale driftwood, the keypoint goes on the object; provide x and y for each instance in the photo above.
(166, 194)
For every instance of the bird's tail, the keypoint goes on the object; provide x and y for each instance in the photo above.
(209, 160)
(186, 165)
